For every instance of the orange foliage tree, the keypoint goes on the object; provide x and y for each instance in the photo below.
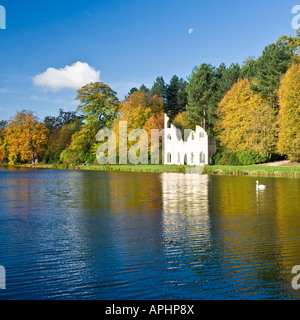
(246, 121)
(140, 112)
(26, 137)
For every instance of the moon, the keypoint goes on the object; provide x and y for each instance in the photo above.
(191, 30)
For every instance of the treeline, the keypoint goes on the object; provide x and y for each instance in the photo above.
(252, 110)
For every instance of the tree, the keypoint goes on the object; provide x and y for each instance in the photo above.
(289, 115)
(132, 90)
(246, 121)
(207, 87)
(200, 95)
(249, 68)
(292, 43)
(60, 139)
(145, 90)
(99, 107)
(156, 121)
(175, 97)
(270, 67)
(3, 152)
(159, 88)
(136, 110)
(54, 123)
(98, 102)
(226, 78)
(26, 137)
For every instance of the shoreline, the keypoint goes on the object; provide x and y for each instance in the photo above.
(254, 170)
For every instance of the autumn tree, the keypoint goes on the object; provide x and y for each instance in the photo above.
(26, 137)
(289, 115)
(139, 111)
(155, 122)
(291, 42)
(64, 118)
(246, 121)
(60, 139)
(138, 108)
(181, 122)
(3, 151)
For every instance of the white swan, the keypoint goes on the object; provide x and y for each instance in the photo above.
(260, 187)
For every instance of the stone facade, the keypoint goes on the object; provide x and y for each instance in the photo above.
(197, 149)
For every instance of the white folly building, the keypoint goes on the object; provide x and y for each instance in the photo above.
(196, 149)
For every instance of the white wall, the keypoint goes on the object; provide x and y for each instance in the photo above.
(197, 142)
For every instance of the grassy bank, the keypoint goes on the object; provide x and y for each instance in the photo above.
(292, 171)
(255, 170)
(125, 168)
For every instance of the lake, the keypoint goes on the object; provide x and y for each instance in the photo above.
(126, 236)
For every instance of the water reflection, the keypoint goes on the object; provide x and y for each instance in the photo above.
(106, 235)
(185, 206)
(249, 228)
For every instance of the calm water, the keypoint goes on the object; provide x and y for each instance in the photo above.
(98, 235)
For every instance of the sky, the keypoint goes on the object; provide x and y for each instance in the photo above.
(50, 49)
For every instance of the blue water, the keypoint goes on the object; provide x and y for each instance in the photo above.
(110, 236)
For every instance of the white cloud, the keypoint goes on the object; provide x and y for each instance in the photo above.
(69, 77)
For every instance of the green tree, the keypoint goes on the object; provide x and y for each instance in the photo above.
(175, 97)
(98, 103)
(159, 87)
(146, 90)
(131, 91)
(225, 78)
(270, 67)
(249, 68)
(200, 90)
(99, 107)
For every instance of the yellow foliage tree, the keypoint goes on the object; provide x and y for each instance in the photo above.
(26, 137)
(247, 122)
(289, 114)
(136, 110)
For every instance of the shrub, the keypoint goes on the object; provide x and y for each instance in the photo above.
(249, 158)
(233, 159)
(217, 157)
(224, 161)
(239, 158)
(89, 158)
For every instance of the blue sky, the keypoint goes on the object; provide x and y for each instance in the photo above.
(129, 42)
